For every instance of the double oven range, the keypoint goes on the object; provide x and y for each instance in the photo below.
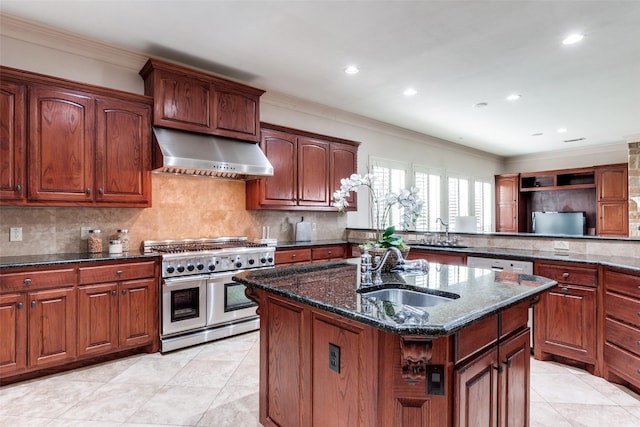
(199, 301)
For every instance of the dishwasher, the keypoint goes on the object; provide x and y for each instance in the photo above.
(496, 264)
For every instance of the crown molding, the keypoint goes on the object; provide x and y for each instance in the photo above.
(55, 38)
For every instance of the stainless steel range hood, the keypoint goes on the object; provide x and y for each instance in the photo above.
(188, 153)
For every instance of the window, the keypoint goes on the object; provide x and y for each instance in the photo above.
(428, 183)
(458, 202)
(390, 177)
(482, 205)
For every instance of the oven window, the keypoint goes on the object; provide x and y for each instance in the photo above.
(185, 304)
(234, 298)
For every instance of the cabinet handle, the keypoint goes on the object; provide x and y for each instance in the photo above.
(565, 275)
(88, 191)
(124, 292)
(498, 368)
(100, 191)
(26, 281)
(18, 188)
(119, 272)
(565, 289)
(33, 304)
(20, 306)
(507, 362)
(113, 293)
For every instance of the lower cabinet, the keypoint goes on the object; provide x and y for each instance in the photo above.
(566, 317)
(492, 388)
(306, 254)
(50, 317)
(438, 257)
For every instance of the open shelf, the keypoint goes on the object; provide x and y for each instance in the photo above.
(558, 180)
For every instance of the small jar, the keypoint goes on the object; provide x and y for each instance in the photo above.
(94, 242)
(123, 236)
(115, 247)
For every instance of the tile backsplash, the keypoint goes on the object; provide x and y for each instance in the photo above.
(183, 207)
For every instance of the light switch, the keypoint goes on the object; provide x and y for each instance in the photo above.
(15, 234)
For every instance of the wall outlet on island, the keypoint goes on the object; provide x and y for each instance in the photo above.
(560, 245)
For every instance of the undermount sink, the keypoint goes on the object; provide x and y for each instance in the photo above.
(409, 297)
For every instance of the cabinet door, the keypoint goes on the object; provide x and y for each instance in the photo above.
(97, 318)
(52, 327)
(313, 172)
(123, 147)
(514, 354)
(182, 102)
(507, 195)
(138, 311)
(612, 183)
(612, 207)
(566, 320)
(13, 339)
(61, 146)
(343, 163)
(237, 114)
(613, 219)
(281, 188)
(476, 394)
(12, 142)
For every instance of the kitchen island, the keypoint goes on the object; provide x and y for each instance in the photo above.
(334, 354)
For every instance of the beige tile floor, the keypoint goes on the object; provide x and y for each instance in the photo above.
(216, 384)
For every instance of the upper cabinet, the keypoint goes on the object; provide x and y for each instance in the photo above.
(507, 203)
(87, 146)
(194, 101)
(613, 201)
(307, 170)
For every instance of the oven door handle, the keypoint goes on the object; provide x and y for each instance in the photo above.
(174, 281)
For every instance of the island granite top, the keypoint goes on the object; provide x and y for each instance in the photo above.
(333, 287)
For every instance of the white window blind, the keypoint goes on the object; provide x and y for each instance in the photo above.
(390, 177)
(458, 190)
(482, 205)
(428, 183)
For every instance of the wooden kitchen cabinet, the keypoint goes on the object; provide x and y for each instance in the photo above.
(508, 205)
(612, 212)
(307, 170)
(117, 305)
(86, 146)
(307, 254)
(438, 257)
(622, 327)
(37, 315)
(190, 100)
(13, 142)
(566, 316)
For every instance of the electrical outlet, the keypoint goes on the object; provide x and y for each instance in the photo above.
(334, 357)
(560, 245)
(15, 234)
(84, 233)
(284, 227)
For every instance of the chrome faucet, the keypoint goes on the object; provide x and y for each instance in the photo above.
(399, 258)
(446, 230)
(366, 266)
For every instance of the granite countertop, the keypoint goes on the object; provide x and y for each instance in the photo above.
(630, 263)
(332, 287)
(60, 259)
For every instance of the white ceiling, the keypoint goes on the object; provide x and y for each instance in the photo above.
(454, 53)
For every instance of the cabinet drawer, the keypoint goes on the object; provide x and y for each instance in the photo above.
(474, 338)
(623, 308)
(622, 335)
(328, 252)
(623, 283)
(41, 279)
(569, 274)
(293, 256)
(623, 363)
(115, 272)
(514, 318)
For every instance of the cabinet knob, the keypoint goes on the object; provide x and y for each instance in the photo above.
(498, 368)
(113, 293)
(565, 275)
(18, 188)
(20, 306)
(100, 191)
(33, 304)
(293, 255)
(119, 272)
(507, 362)
(124, 292)
(565, 289)
(88, 191)
(27, 281)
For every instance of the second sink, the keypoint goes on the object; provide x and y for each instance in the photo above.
(409, 297)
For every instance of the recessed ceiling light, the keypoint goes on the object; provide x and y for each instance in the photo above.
(513, 97)
(537, 134)
(351, 69)
(481, 105)
(572, 39)
(562, 130)
(409, 92)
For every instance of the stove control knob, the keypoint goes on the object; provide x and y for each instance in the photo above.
(263, 260)
(212, 267)
(270, 259)
(251, 261)
(200, 266)
(180, 269)
(238, 264)
(170, 269)
(190, 267)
